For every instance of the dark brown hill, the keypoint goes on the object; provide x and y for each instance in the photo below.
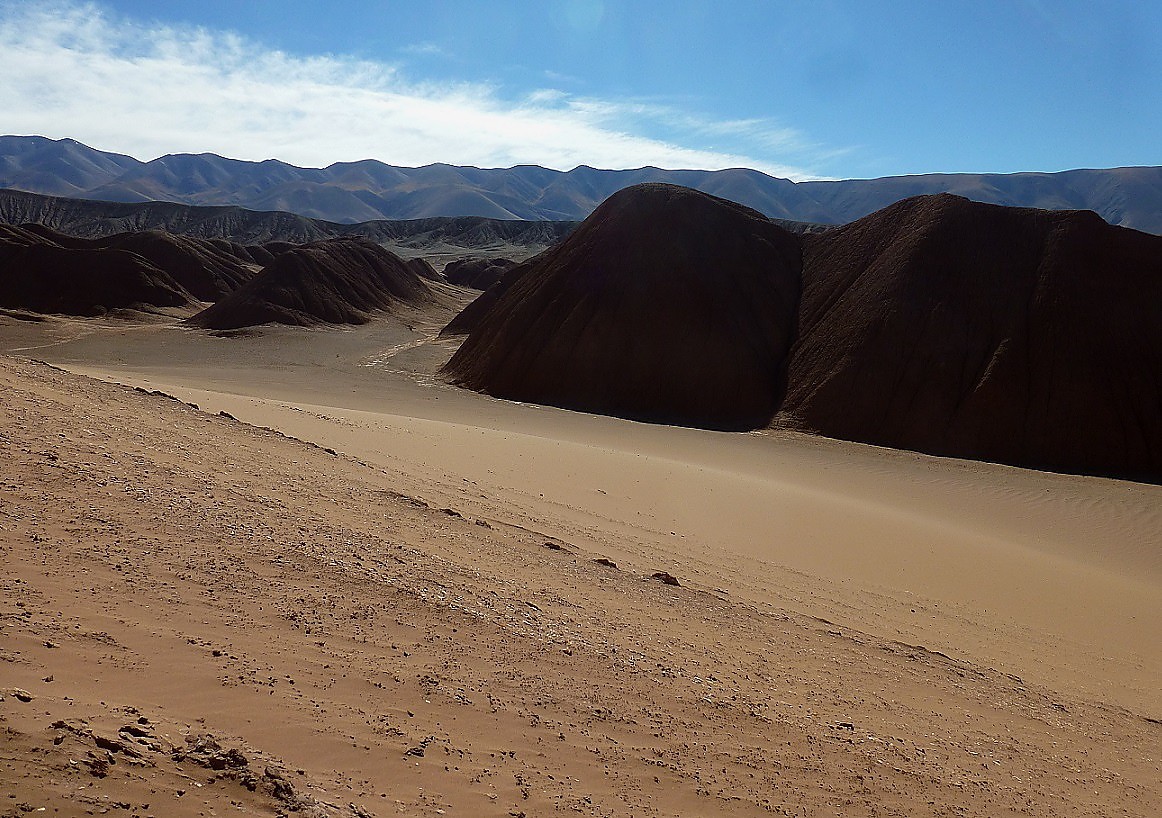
(1021, 336)
(470, 317)
(424, 269)
(339, 281)
(666, 305)
(55, 237)
(477, 273)
(39, 275)
(202, 268)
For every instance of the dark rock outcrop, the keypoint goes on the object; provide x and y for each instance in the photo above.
(666, 305)
(339, 281)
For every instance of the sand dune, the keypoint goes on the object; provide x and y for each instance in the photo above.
(292, 571)
(855, 630)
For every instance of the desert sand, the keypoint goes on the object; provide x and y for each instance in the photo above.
(311, 577)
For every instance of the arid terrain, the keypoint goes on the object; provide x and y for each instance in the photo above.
(293, 571)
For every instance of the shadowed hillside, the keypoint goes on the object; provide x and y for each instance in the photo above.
(1015, 335)
(477, 273)
(340, 281)
(939, 325)
(666, 304)
(40, 275)
(96, 219)
(205, 270)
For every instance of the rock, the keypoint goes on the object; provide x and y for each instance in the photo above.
(608, 563)
(21, 695)
(115, 746)
(668, 579)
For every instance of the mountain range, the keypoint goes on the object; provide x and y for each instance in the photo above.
(369, 190)
(96, 219)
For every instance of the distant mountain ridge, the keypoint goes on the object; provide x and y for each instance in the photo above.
(369, 190)
(96, 219)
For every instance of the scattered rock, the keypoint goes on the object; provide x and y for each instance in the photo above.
(115, 746)
(98, 767)
(419, 750)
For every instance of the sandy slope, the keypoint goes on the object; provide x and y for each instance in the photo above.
(785, 674)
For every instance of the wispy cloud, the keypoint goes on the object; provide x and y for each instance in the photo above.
(425, 49)
(72, 70)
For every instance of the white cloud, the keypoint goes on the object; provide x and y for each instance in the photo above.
(425, 49)
(70, 70)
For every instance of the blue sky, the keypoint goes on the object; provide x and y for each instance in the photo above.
(804, 90)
